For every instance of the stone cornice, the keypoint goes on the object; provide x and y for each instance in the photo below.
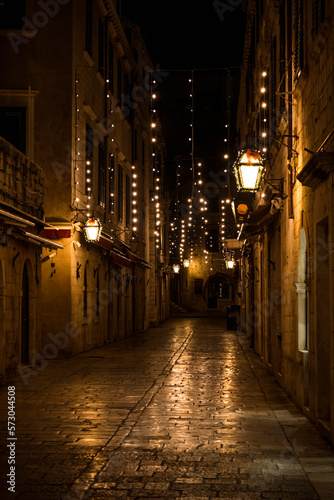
(317, 169)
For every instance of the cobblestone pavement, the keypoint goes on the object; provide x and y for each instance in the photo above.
(185, 410)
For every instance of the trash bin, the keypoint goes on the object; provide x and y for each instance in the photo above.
(233, 317)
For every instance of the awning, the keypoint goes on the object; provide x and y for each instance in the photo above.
(56, 234)
(8, 215)
(105, 243)
(37, 240)
(120, 260)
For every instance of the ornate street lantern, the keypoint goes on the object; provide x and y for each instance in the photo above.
(186, 262)
(92, 230)
(248, 170)
(230, 264)
(176, 268)
(229, 260)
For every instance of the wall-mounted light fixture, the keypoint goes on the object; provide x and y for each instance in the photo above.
(176, 268)
(92, 230)
(186, 262)
(248, 170)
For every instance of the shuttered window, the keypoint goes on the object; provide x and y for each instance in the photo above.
(111, 67)
(120, 197)
(282, 57)
(298, 38)
(89, 160)
(102, 175)
(112, 184)
(273, 96)
(128, 201)
(318, 15)
(89, 26)
(101, 60)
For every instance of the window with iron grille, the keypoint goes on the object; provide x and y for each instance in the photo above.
(318, 15)
(89, 26)
(298, 38)
(112, 184)
(120, 197)
(102, 175)
(89, 160)
(128, 201)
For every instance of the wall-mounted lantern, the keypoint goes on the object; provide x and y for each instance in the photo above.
(176, 268)
(248, 170)
(186, 262)
(92, 230)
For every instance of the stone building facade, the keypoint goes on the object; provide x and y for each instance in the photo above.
(90, 121)
(286, 112)
(22, 186)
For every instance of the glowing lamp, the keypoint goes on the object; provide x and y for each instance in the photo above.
(230, 264)
(176, 268)
(186, 262)
(92, 230)
(248, 170)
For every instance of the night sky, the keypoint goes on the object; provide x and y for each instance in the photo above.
(182, 36)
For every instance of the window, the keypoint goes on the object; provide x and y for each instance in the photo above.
(12, 14)
(128, 201)
(120, 193)
(89, 27)
(282, 57)
(119, 82)
(111, 67)
(212, 240)
(318, 15)
(89, 160)
(112, 184)
(102, 175)
(13, 126)
(273, 86)
(101, 60)
(298, 38)
(135, 145)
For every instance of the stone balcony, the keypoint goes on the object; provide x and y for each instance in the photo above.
(22, 184)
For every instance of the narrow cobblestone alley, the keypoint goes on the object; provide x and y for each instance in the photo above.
(185, 410)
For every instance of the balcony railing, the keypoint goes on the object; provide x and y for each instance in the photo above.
(21, 181)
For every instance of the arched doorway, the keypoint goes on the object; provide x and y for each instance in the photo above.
(2, 324)
(25, 327)
(303, 323)
(218, 288)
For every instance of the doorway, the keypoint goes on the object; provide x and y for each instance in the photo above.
(25, 316)
(218, 288)
(323, 308)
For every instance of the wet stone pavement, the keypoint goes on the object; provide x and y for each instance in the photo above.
(185, 410)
